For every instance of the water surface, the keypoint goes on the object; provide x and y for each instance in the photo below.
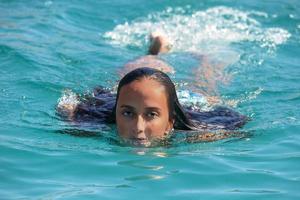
(49, 46)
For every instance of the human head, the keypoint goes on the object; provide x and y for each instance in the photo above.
(134, 89)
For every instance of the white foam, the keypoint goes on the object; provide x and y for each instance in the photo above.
(200, 30)
(192, 99)
(68, 101)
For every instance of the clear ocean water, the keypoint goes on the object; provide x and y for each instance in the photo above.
(47, 47)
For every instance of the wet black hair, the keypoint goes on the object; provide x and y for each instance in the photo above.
(176, 112)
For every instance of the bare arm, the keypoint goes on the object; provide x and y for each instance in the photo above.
(159, 43)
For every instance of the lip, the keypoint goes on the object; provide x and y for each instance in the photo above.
(140, 142)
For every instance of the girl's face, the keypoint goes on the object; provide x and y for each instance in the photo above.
(142, 112)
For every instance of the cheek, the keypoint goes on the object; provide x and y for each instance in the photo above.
(158, 128)
(122, 127)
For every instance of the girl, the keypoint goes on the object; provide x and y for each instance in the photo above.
(146, 107)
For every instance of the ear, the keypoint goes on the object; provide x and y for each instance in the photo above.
(170, 125)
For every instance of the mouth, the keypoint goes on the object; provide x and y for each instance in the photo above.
(142, 142)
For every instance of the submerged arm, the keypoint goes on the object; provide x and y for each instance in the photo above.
(208, 75)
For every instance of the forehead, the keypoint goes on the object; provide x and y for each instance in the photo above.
(147, 90)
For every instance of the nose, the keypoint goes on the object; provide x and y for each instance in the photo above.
(139, 128)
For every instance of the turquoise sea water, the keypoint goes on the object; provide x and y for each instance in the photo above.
(49, 46)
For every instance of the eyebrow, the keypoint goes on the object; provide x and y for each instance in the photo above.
(127, 106)
(148, 108)
(153, 108)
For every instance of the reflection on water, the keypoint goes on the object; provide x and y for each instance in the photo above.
(137, 164)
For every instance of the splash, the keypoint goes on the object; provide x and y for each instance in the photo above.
(245, 98)
(67, 102)
(193, 100)
(200, 30)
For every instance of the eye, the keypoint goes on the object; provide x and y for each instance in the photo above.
(152, 115)
(127, 113)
